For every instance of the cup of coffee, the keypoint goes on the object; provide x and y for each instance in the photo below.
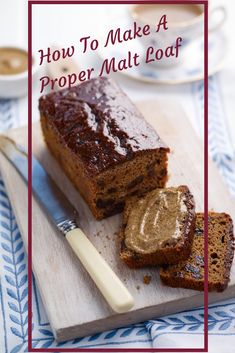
(14, 71)
(184, 21)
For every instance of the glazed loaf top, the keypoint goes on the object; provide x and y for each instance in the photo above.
(97, 121)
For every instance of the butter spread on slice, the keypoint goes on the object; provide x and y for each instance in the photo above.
(156, 220)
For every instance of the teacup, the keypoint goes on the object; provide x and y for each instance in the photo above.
(15, 84)
(183, 20)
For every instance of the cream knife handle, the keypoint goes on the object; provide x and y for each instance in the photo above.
(113, 290)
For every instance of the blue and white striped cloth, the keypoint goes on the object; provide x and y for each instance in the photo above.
(180, 330)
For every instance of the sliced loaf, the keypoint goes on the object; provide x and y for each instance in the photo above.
(190, 273)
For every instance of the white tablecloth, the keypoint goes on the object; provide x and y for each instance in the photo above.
(180, 330)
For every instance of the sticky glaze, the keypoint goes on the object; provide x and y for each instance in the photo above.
(156, 220)
(98, 121)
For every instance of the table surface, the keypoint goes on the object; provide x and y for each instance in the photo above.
(221, 104)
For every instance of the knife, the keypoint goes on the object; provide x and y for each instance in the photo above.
(65, 218)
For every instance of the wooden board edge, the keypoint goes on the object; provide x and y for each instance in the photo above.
(144, 314)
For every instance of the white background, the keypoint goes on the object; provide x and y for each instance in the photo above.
(57, 25)
(63, 25)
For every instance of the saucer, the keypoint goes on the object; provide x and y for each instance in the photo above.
(189, 69)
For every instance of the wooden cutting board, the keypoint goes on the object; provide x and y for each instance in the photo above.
(72, 301)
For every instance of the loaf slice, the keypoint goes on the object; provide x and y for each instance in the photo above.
(103, 144)
(190, 273)
(158, 228)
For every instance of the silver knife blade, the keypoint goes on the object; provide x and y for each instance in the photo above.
(51, 198)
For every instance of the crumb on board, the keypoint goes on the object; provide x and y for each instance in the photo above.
(147, 279)
(138, 287)
(107, 237)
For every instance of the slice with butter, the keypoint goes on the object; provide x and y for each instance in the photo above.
(158, 228)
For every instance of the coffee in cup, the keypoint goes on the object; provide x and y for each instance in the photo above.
(184, 21)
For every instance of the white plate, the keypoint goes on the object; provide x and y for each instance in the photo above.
(189, 69)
